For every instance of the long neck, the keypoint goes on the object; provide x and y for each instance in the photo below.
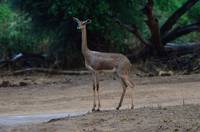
(84, 41)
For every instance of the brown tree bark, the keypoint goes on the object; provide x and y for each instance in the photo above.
(153, 24)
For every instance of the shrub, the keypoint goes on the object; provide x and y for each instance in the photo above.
(15, 31)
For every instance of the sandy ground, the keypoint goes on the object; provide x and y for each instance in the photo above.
(162, 119)
(53, 94)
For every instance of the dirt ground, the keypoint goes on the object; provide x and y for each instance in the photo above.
(154, 98)
(162, 119)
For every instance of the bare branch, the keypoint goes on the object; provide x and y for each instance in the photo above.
(180, 31)
(133, 29)
(176, 15)
(48, 71)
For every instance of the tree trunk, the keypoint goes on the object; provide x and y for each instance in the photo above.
(153, 24)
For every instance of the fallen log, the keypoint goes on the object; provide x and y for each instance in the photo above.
(45, 70)
(182, 49)
(172, 50)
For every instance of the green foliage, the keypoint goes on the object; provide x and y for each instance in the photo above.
(192, 37)
(103, 33)
(194, 13)
(164, 9)
(15, 31)
(5, 13)
(54, 28)
(51, 14)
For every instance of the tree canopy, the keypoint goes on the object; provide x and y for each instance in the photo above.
(117, 26)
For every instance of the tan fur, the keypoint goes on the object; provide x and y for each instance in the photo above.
(100, 61)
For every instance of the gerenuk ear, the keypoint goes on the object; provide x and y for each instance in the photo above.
(76, 19)
(87, 21)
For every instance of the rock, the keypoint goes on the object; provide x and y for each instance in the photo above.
(23, 84)
(5, 84)
(165, 73)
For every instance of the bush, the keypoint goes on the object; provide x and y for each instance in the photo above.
(15, 31)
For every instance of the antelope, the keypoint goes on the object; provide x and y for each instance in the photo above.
(97, 62)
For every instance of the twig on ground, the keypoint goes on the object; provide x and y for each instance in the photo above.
(43, 70)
